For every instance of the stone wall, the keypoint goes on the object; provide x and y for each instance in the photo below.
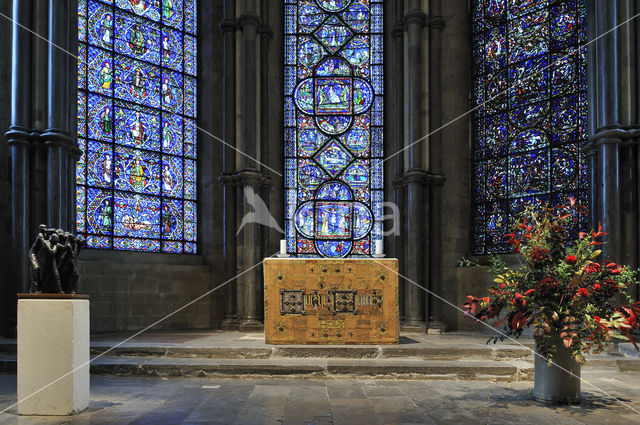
(131, 290)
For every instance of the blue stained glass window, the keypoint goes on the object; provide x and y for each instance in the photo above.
(333, 134)
(136, 181)
(530, 120)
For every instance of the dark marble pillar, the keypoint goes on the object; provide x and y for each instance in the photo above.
(417, 204)
(265, 35)
(613, 125)
(40, 116)
(249, 177)
(19, 140)
(62, 151)
(434, 306)
(250, 181)
(396, 143)
(228, 27)
(273, 15)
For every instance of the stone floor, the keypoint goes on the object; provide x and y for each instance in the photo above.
(118, 400)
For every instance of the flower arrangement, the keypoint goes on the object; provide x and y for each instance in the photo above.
(559, 287)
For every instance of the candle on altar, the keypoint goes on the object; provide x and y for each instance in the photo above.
(378, 246)
(283, 246)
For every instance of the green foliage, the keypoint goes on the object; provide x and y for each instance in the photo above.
(558, 287)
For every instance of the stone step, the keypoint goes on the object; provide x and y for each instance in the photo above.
(472, 370)
(313, 367)
(283, 352)
(439, 352)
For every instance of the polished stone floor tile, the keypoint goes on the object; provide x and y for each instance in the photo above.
(181, 401)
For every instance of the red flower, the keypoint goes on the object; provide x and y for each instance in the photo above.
(547, 284)
(539, 254)
(583, 292)
(592, 268)
(600, 232)
(597, 318)
(596, 287)
(518, 321)
(615, 271)
(529, 292)
(611, 285)
(518, 300)
(611, 265)
(571, 259)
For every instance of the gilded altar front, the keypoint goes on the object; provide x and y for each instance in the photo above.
(331, 301)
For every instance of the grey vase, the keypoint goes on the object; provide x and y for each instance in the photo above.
(554, 385)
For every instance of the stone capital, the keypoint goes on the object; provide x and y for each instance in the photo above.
(398, 182)
(56, 136)
(416, 175)
(266, 181)
(266, 31)
(397, 30)
(613, 134)
(248, 19)
(18, 135)
(437, 179)
(249, 177)
(436, 22)
(227, 179)
(227, 25)
(415, 17)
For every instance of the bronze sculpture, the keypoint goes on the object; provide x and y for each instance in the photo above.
(52, 261)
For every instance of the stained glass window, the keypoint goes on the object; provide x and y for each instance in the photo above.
(136, 181)
(333, 127)
(529, 133)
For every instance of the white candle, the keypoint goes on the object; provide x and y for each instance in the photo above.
(378, 246)
(283, 246)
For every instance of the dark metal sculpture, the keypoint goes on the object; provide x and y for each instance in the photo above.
(52, 261)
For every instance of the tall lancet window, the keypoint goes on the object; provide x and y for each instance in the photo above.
(530, 80)
(136, 182)
(333, 127)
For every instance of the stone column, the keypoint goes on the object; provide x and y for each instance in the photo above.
(265, 34)
(415, 177)
(273, 119)
(62, 151)
(250, 181)
(228, 27)
(610, 131)
(40, 116)
(436, 24)
(19, 140)
(249, 177)
(396, 119)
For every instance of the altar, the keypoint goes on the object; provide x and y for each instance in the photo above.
(331, 301)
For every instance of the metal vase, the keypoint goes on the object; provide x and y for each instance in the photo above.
(554, 385)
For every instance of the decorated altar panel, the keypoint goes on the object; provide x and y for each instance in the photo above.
(331, 301)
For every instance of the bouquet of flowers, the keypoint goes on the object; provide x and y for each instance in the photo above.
(559, 287)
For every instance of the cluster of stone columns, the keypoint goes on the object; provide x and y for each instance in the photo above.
(246, 177)
(614, 126)
(42, 135)
(417, 171)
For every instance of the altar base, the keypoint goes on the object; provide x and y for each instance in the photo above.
(329, 301)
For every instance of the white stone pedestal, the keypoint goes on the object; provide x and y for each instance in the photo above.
(53, 341)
